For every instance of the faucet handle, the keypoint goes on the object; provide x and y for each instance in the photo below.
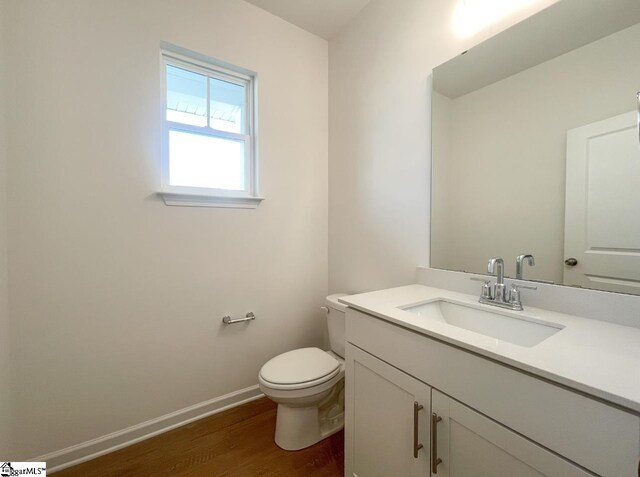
(486, 287)
(514, 294)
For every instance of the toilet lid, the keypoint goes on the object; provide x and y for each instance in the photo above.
(299, 366)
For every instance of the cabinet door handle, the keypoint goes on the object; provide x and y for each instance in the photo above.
(416, 445)
(435, 461)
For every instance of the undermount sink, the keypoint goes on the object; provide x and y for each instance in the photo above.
(503, 325)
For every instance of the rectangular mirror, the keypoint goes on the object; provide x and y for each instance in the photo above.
(536, 149)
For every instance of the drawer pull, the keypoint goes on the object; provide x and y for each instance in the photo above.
(416, 445)
(435, 461)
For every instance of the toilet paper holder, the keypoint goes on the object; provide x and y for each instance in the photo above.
(227, 320)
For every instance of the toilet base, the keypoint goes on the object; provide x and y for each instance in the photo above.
(301, 427)
(298, 426)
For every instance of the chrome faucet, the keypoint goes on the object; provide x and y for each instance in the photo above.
(500, 297)
(496, 267)
(520, 264)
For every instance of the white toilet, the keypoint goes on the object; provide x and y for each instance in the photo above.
(308, 385)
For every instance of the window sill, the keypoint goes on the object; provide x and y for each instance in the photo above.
(198, 200)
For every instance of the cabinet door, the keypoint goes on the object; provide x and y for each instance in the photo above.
(468, 443)
(387, 419)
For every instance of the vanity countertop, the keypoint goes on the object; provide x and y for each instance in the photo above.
(597, 358)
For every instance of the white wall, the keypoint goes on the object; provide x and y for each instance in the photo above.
(115, 298)
(5, 377)
(521, 208)
(379, 133)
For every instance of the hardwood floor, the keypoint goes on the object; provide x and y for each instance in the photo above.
(238, 442)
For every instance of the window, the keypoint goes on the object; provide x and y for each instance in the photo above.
(208, 156)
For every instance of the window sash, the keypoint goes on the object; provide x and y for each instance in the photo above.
(208, 73)
(208, 132)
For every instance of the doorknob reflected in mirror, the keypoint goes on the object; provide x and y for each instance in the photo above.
(571, 262)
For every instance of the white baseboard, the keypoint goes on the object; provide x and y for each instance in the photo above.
(88, 450)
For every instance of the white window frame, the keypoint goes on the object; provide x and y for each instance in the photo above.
(200, 196)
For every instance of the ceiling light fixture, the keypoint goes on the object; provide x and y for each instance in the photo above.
(471, 16)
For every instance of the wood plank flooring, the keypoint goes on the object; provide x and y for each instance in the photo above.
(238, 442)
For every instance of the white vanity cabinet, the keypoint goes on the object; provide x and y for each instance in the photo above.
(388, 413)
(495, 420)
(466, 443)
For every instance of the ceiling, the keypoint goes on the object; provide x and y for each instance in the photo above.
(324, 18)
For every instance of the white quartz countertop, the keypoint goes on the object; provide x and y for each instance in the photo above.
(595, 357)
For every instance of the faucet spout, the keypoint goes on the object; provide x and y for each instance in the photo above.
(496, 267)
(520, 264)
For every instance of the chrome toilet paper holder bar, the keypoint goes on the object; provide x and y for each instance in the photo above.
(227, 320)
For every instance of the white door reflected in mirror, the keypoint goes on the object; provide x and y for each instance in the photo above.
(602, 230)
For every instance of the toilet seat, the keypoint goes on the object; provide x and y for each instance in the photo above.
(299, 369)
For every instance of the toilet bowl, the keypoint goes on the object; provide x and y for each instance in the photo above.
(308, 386)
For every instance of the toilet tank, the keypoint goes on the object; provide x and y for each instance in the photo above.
(335, 323)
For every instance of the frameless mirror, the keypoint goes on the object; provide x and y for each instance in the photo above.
(536, 149)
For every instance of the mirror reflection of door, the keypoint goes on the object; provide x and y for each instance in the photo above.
(602, 208)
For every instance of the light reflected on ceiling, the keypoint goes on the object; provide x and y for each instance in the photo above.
(471, 16)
